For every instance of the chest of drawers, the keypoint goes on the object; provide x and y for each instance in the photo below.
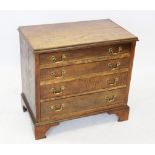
(72, 70)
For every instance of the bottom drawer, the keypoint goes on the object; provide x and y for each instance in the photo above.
(75, 106)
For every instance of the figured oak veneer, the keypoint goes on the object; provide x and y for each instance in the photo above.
(72, 70)
(79, 86)
(54, 36)
(84, 103)
(87, 53)
(83, 69)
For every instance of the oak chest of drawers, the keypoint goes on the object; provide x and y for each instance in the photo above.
(72, 70)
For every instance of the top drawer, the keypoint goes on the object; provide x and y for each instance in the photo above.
(62, 58)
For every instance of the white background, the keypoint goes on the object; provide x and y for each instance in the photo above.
(15, 126)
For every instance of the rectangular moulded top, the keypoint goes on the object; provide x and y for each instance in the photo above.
(53, 36)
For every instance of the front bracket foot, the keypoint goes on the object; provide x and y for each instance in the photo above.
(40, 130)
(122, 113)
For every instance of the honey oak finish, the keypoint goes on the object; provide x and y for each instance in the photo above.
(72, 70)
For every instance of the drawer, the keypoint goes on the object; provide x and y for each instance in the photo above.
(65, 57)
(78, 105)
(82, 85)
(74, 71)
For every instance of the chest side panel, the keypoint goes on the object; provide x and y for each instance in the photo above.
(28, 74)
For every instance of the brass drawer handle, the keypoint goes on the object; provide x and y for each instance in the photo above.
(57, 107)
(53, 73)
(112, 52)
(57, 91)
(54, 59)
(113, 81)
(114, 66)
(110, 99)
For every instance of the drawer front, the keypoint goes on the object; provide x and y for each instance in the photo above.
(74, 71)
(75, 106)
(61, 58)
(78, 86)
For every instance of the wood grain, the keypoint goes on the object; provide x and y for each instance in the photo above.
(28, 73)
(60, 74)
(79, 86)
(37, 87)
(84, 54)
(80, 104)
(51, 36)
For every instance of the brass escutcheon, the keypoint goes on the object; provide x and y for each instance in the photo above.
(57, 91)
(110, 99)
(112, 52)
(55, 60)
(114, 66)
(53, 73)
(57, 108)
